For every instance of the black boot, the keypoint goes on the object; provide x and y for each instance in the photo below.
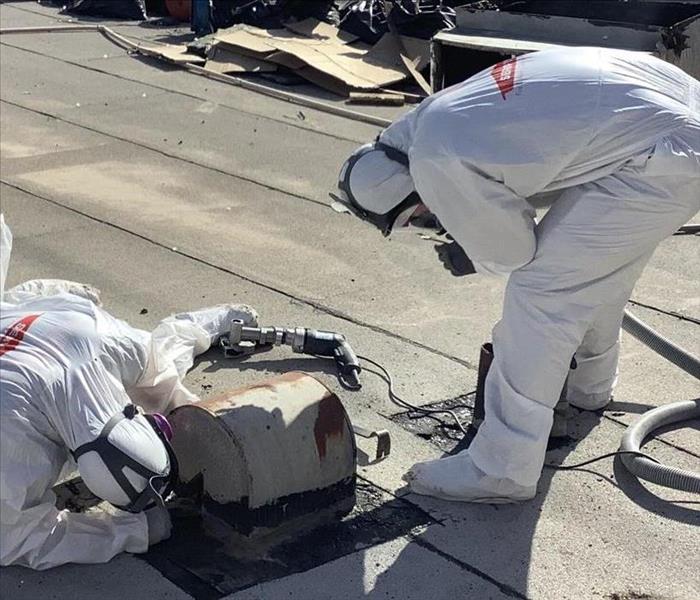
(485, 360)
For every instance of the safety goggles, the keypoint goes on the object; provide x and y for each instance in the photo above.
(158, 487)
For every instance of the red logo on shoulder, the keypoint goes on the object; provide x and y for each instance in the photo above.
(15, 334)
(504, 74)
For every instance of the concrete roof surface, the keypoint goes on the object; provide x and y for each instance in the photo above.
(169, 192)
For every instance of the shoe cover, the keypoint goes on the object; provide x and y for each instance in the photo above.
(458, 479)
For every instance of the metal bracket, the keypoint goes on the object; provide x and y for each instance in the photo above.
(236, 350)
(383, 440)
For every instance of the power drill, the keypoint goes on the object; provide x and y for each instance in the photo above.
(242, 340)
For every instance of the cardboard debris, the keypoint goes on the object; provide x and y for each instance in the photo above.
(171, 53)
(352, 66)
(325, 55)
(313, 28)
(418, 51)
(286, 60)
(221, 60)
(325, 81)
(243, 38)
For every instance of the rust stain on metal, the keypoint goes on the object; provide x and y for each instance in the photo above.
(227, 400)
(330, 422)
(296, 381)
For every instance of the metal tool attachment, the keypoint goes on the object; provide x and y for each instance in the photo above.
(243, 340)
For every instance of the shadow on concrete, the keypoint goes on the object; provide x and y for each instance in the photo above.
(201, 562)
(502, 536)
(156, 63)
(641, 495)
(175, 38)
(308, 364)
(626, 407)
(497, 541)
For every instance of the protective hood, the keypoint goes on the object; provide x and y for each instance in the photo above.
(130, 464)
(375, 184)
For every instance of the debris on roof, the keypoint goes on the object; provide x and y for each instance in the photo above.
(318, 52)
(116, 9)
(177, 54)
(367, 19)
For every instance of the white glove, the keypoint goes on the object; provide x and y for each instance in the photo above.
(159, 525)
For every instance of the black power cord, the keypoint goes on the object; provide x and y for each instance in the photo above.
(596, 459)
(396, 399)
(430, 412)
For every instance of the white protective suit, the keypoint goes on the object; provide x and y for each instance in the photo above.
(617, 135)
(67, 366)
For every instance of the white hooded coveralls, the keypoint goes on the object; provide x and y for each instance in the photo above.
(616, 135)
(67, 366)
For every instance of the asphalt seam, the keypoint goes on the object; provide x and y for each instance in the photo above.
(464, 566)
(663, 311)
(301, 300)
(162, 152)
(179, 92)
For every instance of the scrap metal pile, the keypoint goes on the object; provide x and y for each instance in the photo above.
(365, 18)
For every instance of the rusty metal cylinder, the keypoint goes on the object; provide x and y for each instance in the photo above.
(268, 453)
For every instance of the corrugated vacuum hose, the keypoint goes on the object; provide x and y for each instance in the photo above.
(632, 458)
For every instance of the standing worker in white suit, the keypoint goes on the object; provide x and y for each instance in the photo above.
(77, 384)
(616, 135)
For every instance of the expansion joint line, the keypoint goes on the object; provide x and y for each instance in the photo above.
(504, 588)
(176, 92)
(165, 153)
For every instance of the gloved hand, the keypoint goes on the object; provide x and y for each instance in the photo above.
(454, 259)
(159, 524)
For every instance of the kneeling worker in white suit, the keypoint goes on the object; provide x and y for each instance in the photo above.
(616, 135)
(71, 376)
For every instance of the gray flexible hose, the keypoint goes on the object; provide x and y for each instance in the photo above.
(642, 467)
(661, 345)
(679, 479)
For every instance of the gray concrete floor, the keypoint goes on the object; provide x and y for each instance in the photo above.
(169, 192)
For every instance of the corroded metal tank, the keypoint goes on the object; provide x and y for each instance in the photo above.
(278, 454)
